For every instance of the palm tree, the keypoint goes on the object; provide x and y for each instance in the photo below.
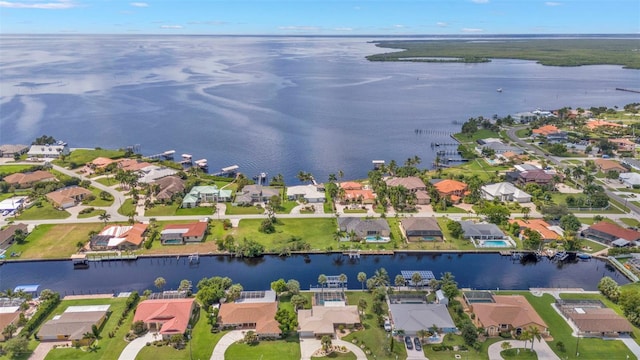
(340, 174)
(343, 281)
(506, 345)
(381, 277)
(160, 282)
(322, 279)
(326, 343)
(362, 305)
(104, 217)
(332, 178)
(525, 211)
(421, 334)
(534, 333)
(399, 281)
(362, 278)
(416, 279)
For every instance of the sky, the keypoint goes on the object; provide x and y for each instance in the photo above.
(320, 17)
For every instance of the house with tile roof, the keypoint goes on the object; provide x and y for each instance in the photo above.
(453, 189)
(546, 231)
(310, 193)
(251, 194)
(351, 185)
(73, 323)
(597, 123)
(168, 187)
(421, 229)
(606, 165)
(132, 164)
(538, 176)
(10, 150)
(592, 318)
(7, 234)
(179, 234)
(507, 314)
(68, 197)
(257, 316)
(504, 191)
(119, 237)
(423, 197)
(364, 227)
(8, 315)
(607, 232)
(27, 179)
(624, 144)
(167, 316)
(324, 320)
(364, 196)
(411, 183)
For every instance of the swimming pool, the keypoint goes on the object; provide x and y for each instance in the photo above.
(493, 243)
(377, 239)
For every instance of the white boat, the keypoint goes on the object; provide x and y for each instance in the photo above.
(499, 90)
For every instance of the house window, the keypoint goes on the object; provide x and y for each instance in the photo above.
(504, 326)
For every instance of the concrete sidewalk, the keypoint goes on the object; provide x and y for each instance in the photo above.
(541, 348)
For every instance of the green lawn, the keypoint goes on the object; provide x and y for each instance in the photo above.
(595, 247)
(244, 210)
(286, 207)
(589, 348)
(98, 201)
(202, 344)
(82, 156)
(522, 133)
(287, 349)
(108, 348)
(107, 181)
(522, 354)
(318, 232)
(457, 340)
(373, 336)
(630, 222)
(50, 241)
(12, 169)
(127, 207)
(450, 242)
(46, 211)
(95, 212)
(480, 134)
(335, 355)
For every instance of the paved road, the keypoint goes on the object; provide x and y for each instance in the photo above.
(511, 133)
(541, 348)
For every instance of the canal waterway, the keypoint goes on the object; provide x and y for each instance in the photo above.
(478, 271)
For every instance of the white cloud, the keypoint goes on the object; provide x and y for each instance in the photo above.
(398, 26)
(442, 24)
(343, 29)
(472, 30)
(552, 3)
(210, 22)
(299, 28)
(170, 26)
(480, 1)
(55, 5)
(139, 4)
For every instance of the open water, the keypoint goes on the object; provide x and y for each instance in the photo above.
(477, 271)
(269, 104)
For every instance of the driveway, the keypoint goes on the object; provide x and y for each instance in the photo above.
(131, 351)
(309, 346)
(43, 349)
(541, 348)
(226, 341)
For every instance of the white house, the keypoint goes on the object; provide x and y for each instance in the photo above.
(630, 179)
(504, 191)
(309, 193)
(49, 151)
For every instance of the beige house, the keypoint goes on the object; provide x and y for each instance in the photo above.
(73, 323)
(26, 180)
(259, 316)
(507, 314)
(323, 320)
(68, 197)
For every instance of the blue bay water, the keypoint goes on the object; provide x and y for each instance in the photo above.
(278, 105)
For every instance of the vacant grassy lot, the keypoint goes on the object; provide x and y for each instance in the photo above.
(287, 349)
(46, 211)
(108, 348)
(127, 207)
(317, 232)
(175, 209)
(54, 241)
(480, 134)
(107, 181)
(630, 222)
(552, 52)
(12, 169)
(244, 210)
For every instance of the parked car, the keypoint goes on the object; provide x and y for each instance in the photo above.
(418, 344)
(408, 342)
(4, 213)
(387, 325)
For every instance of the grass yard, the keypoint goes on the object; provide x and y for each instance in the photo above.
(630, 222)
(107, 181)
(522, 354)
(98, 201)
(522, 133)
(450, 242)
(373, 336)
(457, 340)
(54, 241)
(594, 246)
(589, 348)
(95, 212)
(12, 169)
(287, 349)
(108, 348)
(335, 355)
(127, 207)
(46, 211)
(82, 156)
(202, 344)
(244, 210)
(317, 232)
(480, 134)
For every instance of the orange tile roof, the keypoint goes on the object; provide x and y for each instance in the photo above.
(449, 186)
(101, 162)
(355, 194)
(262, 314)
(514, 310)
(606, 165)
(173, 314)
(134, 235)
(351, 185)
(545, 130)
(592, 124)
(28, 177)
(197, 228)
(132, 164)
(615, 230)
(67, 194)
(538, 225)
(509, 154)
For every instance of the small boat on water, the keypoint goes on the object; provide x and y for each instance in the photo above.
(583, 256)
(499, 90)
(561, 256)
